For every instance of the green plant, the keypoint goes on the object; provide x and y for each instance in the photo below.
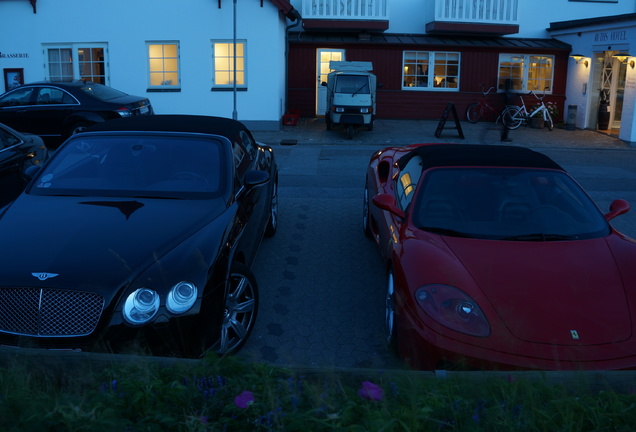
(230, 394)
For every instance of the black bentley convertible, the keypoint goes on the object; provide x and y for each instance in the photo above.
(140, 232)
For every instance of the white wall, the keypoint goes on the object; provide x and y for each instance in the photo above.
(411, 16)
(126, 26)
(617, 36)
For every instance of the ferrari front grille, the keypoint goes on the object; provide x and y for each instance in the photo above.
(49, 312)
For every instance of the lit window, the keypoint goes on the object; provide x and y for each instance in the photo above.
(163, 65)
(223, 53)
(424, 70)
(77, 61)
(525, 72)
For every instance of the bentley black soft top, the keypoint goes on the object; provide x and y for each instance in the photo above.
(436, 155)
(173, 123)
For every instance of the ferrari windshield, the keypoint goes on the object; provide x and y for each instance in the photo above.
(135, 165)
(506, 203)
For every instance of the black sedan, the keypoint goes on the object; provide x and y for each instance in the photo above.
(56, 110)
(18, 152)
(152, 224)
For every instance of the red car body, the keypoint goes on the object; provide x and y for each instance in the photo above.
(540, 282)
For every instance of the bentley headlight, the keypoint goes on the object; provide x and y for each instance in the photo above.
(453, 308)
(181, 297)
(141, 306)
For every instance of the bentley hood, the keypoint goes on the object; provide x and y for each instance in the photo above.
(88, 243)
(561, 292)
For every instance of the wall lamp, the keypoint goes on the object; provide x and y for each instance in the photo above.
(580, 58)
(622, 57)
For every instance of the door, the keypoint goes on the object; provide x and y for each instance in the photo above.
(323, 57)
(613, 83)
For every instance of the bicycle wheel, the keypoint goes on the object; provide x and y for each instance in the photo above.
(510, 117)
(548, 121)
(474, 112)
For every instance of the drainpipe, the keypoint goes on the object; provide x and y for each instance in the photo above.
(234, 111)
(293, 15)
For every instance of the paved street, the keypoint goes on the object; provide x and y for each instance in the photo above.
(322, 281)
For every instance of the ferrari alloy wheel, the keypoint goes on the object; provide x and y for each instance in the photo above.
(272, 223)
(240, 310)
(391, 339)
(366, 215)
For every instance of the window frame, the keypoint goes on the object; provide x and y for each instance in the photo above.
(526, 72)
(429, 77)
(163, 71)
(241, 60)
(76, 63)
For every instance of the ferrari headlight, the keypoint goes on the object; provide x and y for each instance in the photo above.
(181, 297)
(453, 308)
(141, 306)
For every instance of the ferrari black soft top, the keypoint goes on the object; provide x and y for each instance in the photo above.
(436, 155)
(173, 123)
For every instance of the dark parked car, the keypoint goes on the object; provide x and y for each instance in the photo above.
(56, 110)
(18, 152)
(152, 226)
(496, 258)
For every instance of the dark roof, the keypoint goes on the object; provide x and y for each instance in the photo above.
(173, 123)
(438, 155)
(561, 25)
(422, 39)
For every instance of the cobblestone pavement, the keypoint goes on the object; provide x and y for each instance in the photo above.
(402, 132)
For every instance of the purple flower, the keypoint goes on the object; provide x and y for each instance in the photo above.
(245, 399)
(370, 391)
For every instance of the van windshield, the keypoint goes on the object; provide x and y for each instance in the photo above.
(352, 84)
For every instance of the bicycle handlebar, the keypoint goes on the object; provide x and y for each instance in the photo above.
(483, 86)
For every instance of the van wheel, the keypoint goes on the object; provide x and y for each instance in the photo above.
(328, 122)
(370, 127)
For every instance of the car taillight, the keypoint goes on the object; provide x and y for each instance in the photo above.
(453, 308)
(124, 112)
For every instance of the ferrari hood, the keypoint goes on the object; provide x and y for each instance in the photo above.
(564, 293)
(93, 242)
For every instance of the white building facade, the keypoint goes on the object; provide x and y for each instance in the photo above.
(602, 74)
(179, 54)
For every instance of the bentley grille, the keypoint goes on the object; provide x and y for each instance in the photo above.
(49, 312)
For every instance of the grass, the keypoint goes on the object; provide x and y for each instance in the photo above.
(230, 394)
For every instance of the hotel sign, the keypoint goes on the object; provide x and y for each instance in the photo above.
(610, 36)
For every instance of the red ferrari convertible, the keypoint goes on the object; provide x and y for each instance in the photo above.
(497, 259)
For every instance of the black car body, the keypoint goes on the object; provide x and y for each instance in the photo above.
(18, 152)
(56, 110)
(157, 221)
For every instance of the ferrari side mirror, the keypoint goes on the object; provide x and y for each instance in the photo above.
(387, 202)
(617, 208)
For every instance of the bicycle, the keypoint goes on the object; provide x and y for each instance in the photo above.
(513, 116)
(475, 111)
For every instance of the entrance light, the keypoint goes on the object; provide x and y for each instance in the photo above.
(580, 58)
